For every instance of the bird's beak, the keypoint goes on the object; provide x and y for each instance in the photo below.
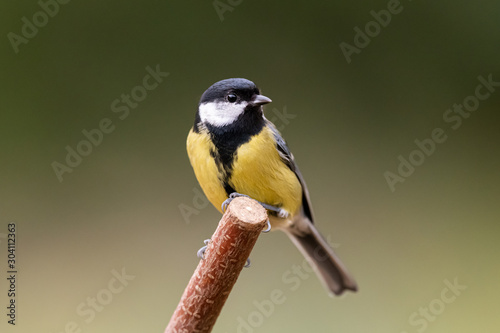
(260, 100)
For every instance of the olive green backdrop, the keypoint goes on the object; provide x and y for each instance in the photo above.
(121, 207)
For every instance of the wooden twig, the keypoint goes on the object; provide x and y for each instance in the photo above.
(216, 274)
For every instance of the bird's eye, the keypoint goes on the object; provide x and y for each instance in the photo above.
(231, 98)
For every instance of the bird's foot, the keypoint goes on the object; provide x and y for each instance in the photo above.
(232, 196)
(280, 212)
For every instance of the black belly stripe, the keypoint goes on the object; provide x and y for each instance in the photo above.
(229, 138)
(228, 188)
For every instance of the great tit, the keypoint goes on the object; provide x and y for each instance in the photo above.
(233, 148)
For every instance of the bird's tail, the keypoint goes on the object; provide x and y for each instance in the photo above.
(330, 270)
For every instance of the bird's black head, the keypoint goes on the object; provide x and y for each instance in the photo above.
(228, 101)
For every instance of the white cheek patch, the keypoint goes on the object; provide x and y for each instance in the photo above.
(220, 113)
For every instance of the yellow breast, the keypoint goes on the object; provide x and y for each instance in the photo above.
(199, 146)
(257, 172)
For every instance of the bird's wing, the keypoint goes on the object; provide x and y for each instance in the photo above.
(288, 159)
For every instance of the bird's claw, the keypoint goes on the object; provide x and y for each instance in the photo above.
(232, 196)
(280, 212)
(268, 227)
(201, 251)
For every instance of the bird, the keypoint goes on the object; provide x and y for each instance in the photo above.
(235, 151)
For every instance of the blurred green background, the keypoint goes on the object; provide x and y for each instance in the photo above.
(120, 208)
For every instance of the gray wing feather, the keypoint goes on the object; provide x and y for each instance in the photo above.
(287, 158)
